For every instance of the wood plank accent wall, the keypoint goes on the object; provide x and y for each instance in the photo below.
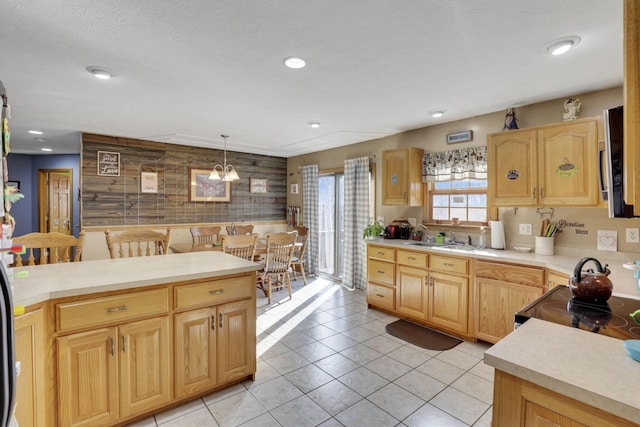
(117, 200)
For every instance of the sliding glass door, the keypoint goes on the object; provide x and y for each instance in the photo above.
(331, 224)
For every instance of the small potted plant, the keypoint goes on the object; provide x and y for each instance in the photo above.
(373, 230)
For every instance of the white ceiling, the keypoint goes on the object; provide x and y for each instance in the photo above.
(186, 71)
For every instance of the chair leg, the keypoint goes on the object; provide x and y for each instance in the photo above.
(287, 279)
(304, 278)
(268, 289)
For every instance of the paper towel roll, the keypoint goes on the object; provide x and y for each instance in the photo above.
(497, 235)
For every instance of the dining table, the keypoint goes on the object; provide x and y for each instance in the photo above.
(181, 248)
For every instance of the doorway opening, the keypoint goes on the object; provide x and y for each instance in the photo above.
(55, 200)
(331, 225)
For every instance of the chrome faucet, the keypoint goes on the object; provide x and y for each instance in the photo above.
(453, 236)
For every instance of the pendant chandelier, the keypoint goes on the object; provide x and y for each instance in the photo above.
(224, 172)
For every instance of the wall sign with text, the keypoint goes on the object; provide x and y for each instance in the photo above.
(108, 163)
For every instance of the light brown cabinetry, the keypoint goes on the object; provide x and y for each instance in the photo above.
(448, 304)
(402, 176)
(30, 350)
(112, 373)
(499, 290)
(381, 267)
(518, 402)
(214, 344)
(554, 165)
(631, 135)
(555, 278)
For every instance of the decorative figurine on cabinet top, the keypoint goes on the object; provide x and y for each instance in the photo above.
(510, 121)
(571, 109)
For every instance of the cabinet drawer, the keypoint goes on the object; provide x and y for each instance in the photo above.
(379, 252)
(381, 272)
(213, 292)
(447, 264)
(381, 296)
(413, 259)
(106, 310)
(510, 273)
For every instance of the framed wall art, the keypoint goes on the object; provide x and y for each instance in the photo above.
(108, 163)
(203, 189)
(257, 185)
(294, 188)
(148, 182)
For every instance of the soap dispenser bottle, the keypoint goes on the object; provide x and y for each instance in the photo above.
(482, 240)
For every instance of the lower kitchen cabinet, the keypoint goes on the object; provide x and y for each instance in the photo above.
(520, 403)
(555, 278)
(30, 349)
(500, 290)
(113, 373)
(412, 291)
(448, 302)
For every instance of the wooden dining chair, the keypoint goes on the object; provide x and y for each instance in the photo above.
(50, 248)
(297, 259)
(240, 245)
(239, 229)
(277, 262)
(205, 235)
(302, 231)
(136, 243)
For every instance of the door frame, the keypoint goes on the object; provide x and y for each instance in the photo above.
(43, 197)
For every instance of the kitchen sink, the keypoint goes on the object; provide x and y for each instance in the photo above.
(448, 245)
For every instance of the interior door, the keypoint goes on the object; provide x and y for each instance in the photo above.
(59, 203)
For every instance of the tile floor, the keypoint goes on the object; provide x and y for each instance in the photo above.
(324, 359)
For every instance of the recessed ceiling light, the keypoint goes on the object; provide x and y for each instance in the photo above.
(46, 149)
(40, 139)
(314, 125)
(560, 46)
(35, 132)
(100, 73)
(437, 113)
(294, 62)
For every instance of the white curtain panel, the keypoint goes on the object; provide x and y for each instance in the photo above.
(455, 164)
(310, 215)
(356, 218)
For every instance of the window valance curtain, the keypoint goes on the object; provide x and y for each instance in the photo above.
(455, 164)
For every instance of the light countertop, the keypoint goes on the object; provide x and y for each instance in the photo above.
(52, 281)
(564, 261)
(587, 367)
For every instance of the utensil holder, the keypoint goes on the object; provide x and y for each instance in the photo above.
(544, 245)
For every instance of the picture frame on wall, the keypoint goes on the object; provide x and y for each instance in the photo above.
(13, 184)
(148, 182)
(203, 189)
(294, 188)
(257, 185)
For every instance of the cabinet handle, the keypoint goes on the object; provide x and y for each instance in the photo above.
(533, 193)
(541, 193)
(380, 253)
(411, 258)
(448, 264)
(380, 295)
(427, 280)
(216, 292)
(431, 280)
(220, 320)
(116, 309)
(380, 272)
(213, 322)
(112, 349)
(124, 344)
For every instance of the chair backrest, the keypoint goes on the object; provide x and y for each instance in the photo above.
(135, 243)
(280, 248)
(239, 229)
(301, 247)
(240, 245)
(51, 247)
(302, 231)
(203, 235)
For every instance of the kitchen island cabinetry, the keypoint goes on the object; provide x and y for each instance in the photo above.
(30, 348)
(402, 176)
(501, 289)
(553, 165)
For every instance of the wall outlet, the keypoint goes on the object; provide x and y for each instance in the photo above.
(412, 221)
(380, 219)
(633, 235)
(526, 229)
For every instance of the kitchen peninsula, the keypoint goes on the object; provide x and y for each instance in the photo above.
(104, 342)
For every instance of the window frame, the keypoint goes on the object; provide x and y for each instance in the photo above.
(430, 192)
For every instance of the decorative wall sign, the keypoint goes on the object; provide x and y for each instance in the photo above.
(148, 182)
(607, 240)
(13, 184)
(203, 189)
(108, 163)
(513, 174)
(294, 188)
(257, 185)
(465, 136)
(567, 169)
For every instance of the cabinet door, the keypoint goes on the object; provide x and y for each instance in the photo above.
(495, 304)
(195, 351)
(88, 379)
(236, 340)
(567, 164)
(412, 291)
(395, 180)
(30, 350)
(511, 170)
(448, 301)
(556, 279)
(144, 365)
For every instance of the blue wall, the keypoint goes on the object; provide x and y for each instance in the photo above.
(25, 168)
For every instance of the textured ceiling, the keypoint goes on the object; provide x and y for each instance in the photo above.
(186, 71)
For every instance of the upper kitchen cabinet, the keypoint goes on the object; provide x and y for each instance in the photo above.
(554, 165)
(402, 176)
(632, 104)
